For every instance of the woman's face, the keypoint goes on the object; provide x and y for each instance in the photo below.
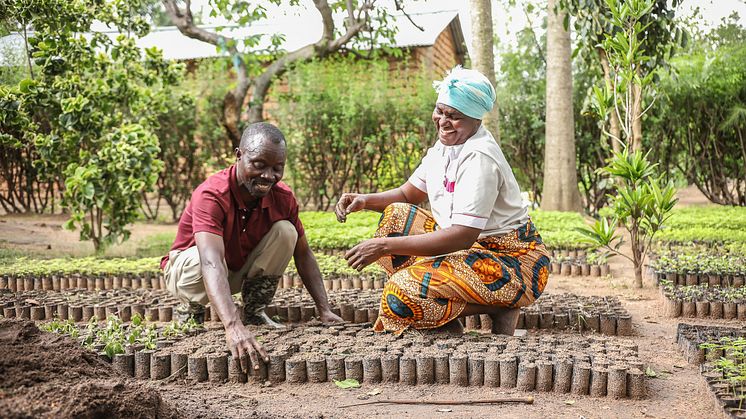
(453, 127)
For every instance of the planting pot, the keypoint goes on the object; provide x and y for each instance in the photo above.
(672, 308)
(372, 369)
(316, 370)
(348, 312)
(75, 313)
(531, 320)
(691, 279)
(142, 364)
(124, 364)
(471, 322)
(508, 371)
(179, 365)
(492, 370)
(307, 312)
(151, 313)
(88, 312)
(372, 315)
(165, 314)
(703, 308)
(566, 269)
(575, 270)
(616, 384)
(99, 311)
(50, 310)
(475, 368)
(136, 283)
(294, 313)
(608, 324)
(546, 320)
(335, 368)
(555, 268)
(408, 370)
(46, 283)
(458, 369)
(277, 368)
(635, 383)
(197, 368)
(360, 315)
(593, 322)
(125, 313)
(562, 375)
(295, 370)
(585, 269)
(28, 284)
(217, 368)
(605, 269)
(160, 366)
(688, 309)
(598, 385)
(595, 270)
(713, 280)
(526, 380)
(63, 311)
(390, 368)
(624, 325)
(741, 310)
(9, 312)
(235, 373)
(440, 364)
(37, 313)
(730, 311)
(581, 378)
(544, 373)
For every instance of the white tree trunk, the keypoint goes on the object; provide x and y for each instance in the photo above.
(560, 191)
(483, 55)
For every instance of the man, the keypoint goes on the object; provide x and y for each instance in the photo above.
(237, 234)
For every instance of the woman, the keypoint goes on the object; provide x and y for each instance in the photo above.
(478, 252)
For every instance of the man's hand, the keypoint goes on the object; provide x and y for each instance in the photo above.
(366, 253)
(349, 202)
(327, 318)
(243, 346)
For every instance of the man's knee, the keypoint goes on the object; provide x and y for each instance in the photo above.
(285, 232)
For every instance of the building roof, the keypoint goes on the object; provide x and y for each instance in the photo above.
(297, 34)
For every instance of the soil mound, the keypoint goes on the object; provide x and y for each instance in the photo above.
(52, 376)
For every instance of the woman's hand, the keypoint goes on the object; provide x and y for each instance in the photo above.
(349, 202)
(366, 253)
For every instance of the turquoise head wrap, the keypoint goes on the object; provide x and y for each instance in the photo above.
(469, 91)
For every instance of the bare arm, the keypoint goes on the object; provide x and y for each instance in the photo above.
(351, 202)
(240, 341)
(439, 242)
(309, 272)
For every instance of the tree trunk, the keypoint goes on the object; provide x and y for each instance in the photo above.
(483, 54)
(615, 128)
(560, 191)
(636, 143)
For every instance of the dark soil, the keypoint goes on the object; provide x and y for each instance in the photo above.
(47, 375)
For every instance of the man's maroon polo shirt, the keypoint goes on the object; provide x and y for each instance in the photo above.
(216, 208)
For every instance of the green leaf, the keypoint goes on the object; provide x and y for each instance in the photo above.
(347, 384)
(650, 372)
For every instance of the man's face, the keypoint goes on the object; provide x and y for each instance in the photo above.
(259, 166)
(453, 127)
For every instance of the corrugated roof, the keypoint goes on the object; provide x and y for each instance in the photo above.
(179, 47)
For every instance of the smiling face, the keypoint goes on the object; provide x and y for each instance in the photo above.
(453, 127)
(259, 166)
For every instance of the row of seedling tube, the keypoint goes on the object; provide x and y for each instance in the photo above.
(62, 282)
(561, 375)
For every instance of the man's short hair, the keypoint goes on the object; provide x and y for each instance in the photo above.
(260, 131)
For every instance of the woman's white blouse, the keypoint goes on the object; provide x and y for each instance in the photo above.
(471, 184)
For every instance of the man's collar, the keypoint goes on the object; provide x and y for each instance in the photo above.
(264, 202)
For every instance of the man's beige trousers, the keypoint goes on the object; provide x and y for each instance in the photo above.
(183, 272)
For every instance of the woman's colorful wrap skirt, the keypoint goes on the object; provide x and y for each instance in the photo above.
(510, 270)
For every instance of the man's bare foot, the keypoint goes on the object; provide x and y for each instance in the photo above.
(504, 320)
